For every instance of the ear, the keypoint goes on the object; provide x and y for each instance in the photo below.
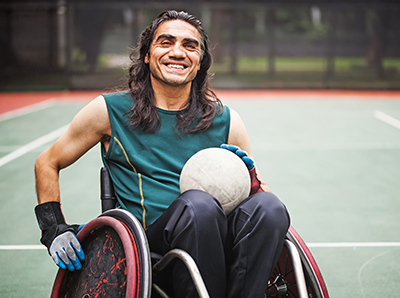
(146, 59)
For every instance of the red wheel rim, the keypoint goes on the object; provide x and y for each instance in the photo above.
(311, 260)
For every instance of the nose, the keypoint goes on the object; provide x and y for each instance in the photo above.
(177, 51)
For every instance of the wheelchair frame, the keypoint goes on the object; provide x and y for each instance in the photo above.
(295, 275)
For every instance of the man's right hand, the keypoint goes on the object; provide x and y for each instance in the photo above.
(67, 252)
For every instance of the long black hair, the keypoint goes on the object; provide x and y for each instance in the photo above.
(203, 103)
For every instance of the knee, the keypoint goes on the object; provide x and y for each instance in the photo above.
(270, 211)
(202, 205)
(202, 215)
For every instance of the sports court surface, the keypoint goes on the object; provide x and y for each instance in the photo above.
(333, 157)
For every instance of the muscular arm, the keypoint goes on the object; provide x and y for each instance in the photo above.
(238, 136)
(89, 127)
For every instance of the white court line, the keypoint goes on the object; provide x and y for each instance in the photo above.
(364, 266)
(387, 119)
(22, 247)
(310, 245)
(353, 244)
(32, 145)
(325, 147)
(28, 109)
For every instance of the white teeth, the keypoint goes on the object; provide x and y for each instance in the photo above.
(176, 66)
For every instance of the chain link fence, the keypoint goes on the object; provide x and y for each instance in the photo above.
(76, 45)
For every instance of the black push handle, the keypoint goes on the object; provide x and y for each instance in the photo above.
(107, 194)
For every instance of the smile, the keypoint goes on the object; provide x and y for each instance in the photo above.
(176, 66)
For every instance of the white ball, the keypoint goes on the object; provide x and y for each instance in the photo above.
(220, 173)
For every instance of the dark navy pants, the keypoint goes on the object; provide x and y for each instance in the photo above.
(235, 254)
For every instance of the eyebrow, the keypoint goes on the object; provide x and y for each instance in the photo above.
(172, 37)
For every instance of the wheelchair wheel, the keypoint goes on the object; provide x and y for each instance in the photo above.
(143, 258)
(283, 282)
(111, 268)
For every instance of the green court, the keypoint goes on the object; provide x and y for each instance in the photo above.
(332, 158)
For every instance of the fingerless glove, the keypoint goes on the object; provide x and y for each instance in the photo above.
(51, 222)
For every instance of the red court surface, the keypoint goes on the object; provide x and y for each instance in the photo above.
(11, 101)
(304, 94)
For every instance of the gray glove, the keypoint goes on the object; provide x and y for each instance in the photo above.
(66, 252)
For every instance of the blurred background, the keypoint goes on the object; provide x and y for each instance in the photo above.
(82, 45)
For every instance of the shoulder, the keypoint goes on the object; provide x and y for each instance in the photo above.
(236, 121)
(96, 107)
(93, 117)
(237, 133)
(234, 115)
(117, 96)
(118, 102)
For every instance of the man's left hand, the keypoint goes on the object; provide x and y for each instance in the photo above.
(249, 162)
(241, 153)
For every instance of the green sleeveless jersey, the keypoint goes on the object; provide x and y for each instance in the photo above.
(145, 167)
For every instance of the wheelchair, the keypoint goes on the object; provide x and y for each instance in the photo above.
(120, 264)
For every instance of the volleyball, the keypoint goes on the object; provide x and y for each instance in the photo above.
(219, 172)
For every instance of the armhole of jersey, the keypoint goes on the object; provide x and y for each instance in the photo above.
(107, 153)
(229, 123)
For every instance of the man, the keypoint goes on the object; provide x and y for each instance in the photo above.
(147, 134)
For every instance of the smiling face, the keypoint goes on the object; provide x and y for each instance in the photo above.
(175, 54)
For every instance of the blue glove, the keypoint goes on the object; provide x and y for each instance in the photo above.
(255, 183)
(241, 153)
(66, 252)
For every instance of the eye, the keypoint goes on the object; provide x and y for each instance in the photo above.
(166, 43)
(190, 46)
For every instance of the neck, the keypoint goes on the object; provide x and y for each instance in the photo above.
(172, 98)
